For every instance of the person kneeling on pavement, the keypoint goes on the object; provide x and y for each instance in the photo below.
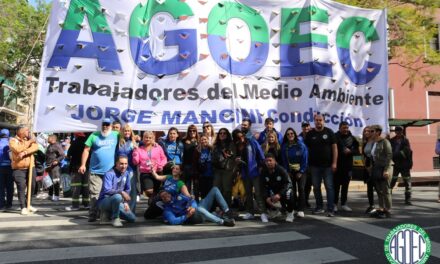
(278, 186)
(181, 209)
(115, 194)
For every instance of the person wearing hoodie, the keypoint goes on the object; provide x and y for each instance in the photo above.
(6, 181)
(22, 147)
(250, 158)
(269, 124)
(347, 147)
(294, 160)
(54, 157)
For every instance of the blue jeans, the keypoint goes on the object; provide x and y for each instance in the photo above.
(114, 204)
(326, 174)
(6, 187)
(133, 190)
(206, 204)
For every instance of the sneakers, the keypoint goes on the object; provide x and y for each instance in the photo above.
(300, 214)
(345, 208)
(55, 198)
(335, 208)
(228, 222)
(370, 209)
(264, 218)
(318, 211)
(32, 209)
(229, 215)
(290, 217)
(71, 208)
(117, 222)
(24, 211)
(248, 216)
(383, 214)
(330, 214)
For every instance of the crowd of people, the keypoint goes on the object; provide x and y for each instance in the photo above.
(204, 175)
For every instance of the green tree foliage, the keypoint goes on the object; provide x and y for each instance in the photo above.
(21, 26)
(411, 30)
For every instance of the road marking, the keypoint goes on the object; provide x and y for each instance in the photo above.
(309, 256)
(146, 248)
(106, 231)
(355, 224)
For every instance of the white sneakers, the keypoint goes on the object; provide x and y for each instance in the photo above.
(300, 214)
(345, 208)
(55, 198)
(117, 222)
(26, 211)
(290, 217)
(248, 216)
(71, 208)
(264, 218)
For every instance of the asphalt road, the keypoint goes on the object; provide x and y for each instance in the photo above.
(53, 234)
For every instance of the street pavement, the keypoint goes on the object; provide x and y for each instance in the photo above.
(53, 234)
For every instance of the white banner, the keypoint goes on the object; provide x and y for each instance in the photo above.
(157, 64)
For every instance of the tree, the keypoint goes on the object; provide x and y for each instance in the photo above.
(21, 25)
(411, 29)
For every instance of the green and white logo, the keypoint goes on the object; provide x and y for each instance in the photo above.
(407, 243)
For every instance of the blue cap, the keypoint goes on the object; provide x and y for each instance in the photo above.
(107, 121)
(4, 132)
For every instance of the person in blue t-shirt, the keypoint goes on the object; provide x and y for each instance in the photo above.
(102, 145)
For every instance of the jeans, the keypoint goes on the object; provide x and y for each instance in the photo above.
(205, 205)
(6, 187)
(319, 174)
(133, 190)
(114, 204)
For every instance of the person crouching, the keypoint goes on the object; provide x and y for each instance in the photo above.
(115, 194)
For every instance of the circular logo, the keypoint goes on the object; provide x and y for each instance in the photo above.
(325, 136)
(407, 243)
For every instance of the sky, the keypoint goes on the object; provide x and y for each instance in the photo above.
(32, 2)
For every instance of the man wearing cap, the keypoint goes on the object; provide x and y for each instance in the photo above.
(22, 148)
(269, 124)
(402, 158)
(6, 181)
(102, 144)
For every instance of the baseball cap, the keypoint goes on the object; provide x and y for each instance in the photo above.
(107, 121)
(4, 132)
(398, 128)
(305, 124)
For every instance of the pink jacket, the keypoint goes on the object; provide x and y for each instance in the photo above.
(157, 159)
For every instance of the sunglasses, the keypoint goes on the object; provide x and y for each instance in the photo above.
(106, 124)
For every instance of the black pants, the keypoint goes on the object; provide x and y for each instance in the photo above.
(6, 187)
(55, 174)
(341, 181)
(205, 185)
(308, 186)
(21, 180)
(299, 194)
(370, 192)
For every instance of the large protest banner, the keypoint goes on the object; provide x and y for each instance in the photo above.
(162, 63)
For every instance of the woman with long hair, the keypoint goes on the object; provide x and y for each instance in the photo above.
(294, 159)
(208, 130)
(203, 165)
(147, 157)
(271, 145)
(367, 146)
(223, 159)
(173, 149)
(127, 144)
(190, 143)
